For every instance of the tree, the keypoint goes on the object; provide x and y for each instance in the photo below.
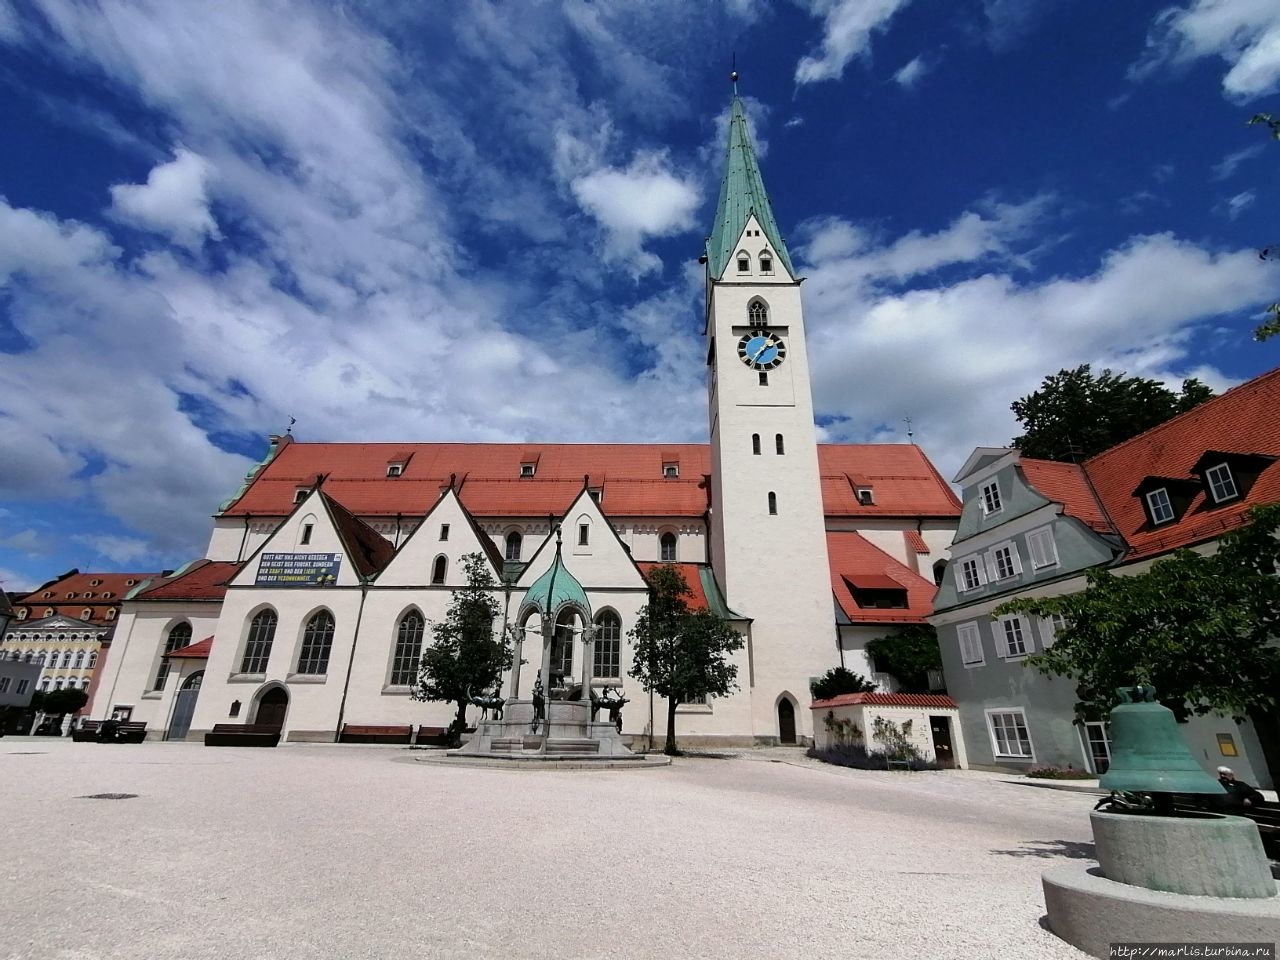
(1076, 414)
(1271, 327)
(678, 653)
(464, 655)
(1198, 628)
(58, 702)
(839, 680)
(908, 656)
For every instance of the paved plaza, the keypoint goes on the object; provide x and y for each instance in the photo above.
(319, 851)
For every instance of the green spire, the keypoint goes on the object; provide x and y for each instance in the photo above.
(557, 587)
(742, 193)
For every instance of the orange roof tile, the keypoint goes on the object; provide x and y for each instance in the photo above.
(1066, 484)
(369, 550)
(915, 541)
(1244, 420)
(202, 580)
(697, 597)
(195, 651)
(935, 700)
(630, 476)
(854, 559)
(72, 593)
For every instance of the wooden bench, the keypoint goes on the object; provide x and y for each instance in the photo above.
(358, 733)
(432, 736)
(128, 731)
(242, 735)
(1267, 818)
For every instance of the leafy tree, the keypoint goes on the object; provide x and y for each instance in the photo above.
(1271, 327)
(1076, 414)
(1199, 628)
(465, 655)
(908, 656)
(58, 702)
(839, 680)
(681, 654)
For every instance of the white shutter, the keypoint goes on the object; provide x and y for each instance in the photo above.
(970, 644)
(1017, 560)
(993, 573)
(1002, 638)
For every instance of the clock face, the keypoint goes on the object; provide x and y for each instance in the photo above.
(761, 350)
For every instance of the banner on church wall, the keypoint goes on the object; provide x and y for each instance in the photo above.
(298, 569)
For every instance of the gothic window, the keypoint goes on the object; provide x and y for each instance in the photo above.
(758, 313)
(755, 444)
(179, 636)
(438, 570)
(257, 649)
(778, 445)
(584, 534)
(608, 652)
(317, 640)
(404, 666)
(667, 544)
(773, 504)
(514, 542)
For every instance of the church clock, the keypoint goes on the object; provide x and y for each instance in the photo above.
(761, 350)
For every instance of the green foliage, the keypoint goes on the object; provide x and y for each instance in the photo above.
(1268, 120)
(1198, 628)
(908, 656)
(58, 702)
(464, 655)
(842, 730)
(1271, 327)
(1076, 414)
(1059, 773)
(839, 680)
(894, 739)
(678, 653)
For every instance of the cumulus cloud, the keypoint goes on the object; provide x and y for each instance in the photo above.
(847, 26)
(1244, 33)
(173, 201)
(120, 551)
(912, 73)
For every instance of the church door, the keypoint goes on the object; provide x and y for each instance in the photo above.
(786, 721)
(184, 706)
(272, 708)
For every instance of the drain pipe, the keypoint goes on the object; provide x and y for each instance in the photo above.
(355, 638)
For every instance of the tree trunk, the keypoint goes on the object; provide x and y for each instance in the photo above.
(459, 725)
(670, 749)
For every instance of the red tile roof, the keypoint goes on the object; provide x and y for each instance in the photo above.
(489, 484)
(915, 542)
(74, 592)
(1067, 484)
(195, 651)
(369, 550)
(202, 580)
(854, 559)
(934, 700)
(1244, 420)
(697, 597)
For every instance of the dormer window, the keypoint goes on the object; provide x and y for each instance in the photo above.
(671, 471)
(526, 469)
(596, 493)
(95, 583)
(1160, 507)
(300, 494)
(990, 498)
(22, 613)
(1222, 485)
(111, 613)
(86, 614)
(744, 263)
(866, 497)
(48, 611)
(395, 469)
(766, 263)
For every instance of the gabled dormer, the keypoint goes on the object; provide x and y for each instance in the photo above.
(1166, 499)
(1227, 477)
(432, 554)
(398, 463)
(591, 548)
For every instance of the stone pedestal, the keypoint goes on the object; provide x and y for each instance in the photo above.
(568, 732)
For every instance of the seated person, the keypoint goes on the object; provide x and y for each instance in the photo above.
(1239, 793)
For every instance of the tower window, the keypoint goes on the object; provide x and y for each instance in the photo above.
(773, 504)
(744, 263)
(764, 378)
(438, 570)
(306, 533)
(755, 444)
(778, 444)
(766, 263)
(758, 313)
(667, 545)
(584, 534)
(444, 531)
(514, 543)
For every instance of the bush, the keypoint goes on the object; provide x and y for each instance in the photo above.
(1058, 773)
(855, 755)
(837, 681)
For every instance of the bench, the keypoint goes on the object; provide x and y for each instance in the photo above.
(432, 736)
(358, 733)
(127, 731)
(1267, 818)
(242, 735)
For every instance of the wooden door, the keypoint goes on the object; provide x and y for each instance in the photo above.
(786, 722)
(184, 706)
(272, 708)
(940, 727)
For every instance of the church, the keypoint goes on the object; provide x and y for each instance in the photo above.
(326, 569)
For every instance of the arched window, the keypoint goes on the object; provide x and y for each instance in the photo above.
(667, 547)
(939, 571)
(44, 684)
(111, 613)
(438, 569)
(778, 445)
(84, 683)
(79, 662)
(66, 659)
(514, 542)
(57, 684)
(755, 444)
(317, 641)
(29, 654)
(758, 313)
(86, 614)
(608, 653)
(773, 504)
(562, 644)
(744, 263)
(766, 262)
(257, 649)
(93, 660)
(179, 636)
(404, 664)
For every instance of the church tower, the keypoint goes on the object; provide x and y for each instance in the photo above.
(768, 531)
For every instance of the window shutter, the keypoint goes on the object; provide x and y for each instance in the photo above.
(1002, 638)
(1035, 547)
(1017, 560)
(989, 558)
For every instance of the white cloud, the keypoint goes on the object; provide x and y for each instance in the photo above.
(912, 73)
(846, 33)
(13, 582)
(173, 201)
(1227, 166)
(1233, 206)
(119, 550)
(1244, 33)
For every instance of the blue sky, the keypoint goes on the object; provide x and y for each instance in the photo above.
(475, 221)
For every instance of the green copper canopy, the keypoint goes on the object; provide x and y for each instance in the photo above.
(741, 194)
(557, 587)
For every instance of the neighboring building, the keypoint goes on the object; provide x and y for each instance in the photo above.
(928, 721)
(324, 572)
(6, 614)
(66, 625)
(1034, 527)
(17, 683)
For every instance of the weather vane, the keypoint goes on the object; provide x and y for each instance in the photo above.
(292, 421)
(910, 435)
(733, 72)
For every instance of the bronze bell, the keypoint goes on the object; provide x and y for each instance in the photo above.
(1148, 754)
